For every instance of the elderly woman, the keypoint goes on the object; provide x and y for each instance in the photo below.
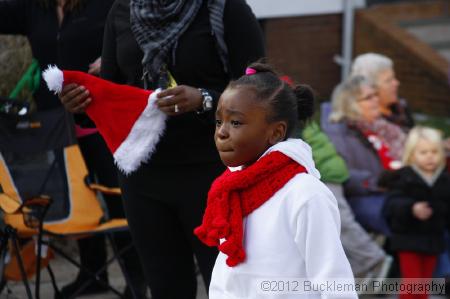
(369, 145)
(379, 69)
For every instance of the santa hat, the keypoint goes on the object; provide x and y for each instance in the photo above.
(126, 116)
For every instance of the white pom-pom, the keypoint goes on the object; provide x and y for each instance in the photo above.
(54, 78)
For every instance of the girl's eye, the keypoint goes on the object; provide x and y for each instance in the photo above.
(218, 122)
(235, 123)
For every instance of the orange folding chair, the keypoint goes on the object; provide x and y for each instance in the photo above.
(45, 193)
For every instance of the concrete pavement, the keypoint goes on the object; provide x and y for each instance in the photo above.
(66, 273)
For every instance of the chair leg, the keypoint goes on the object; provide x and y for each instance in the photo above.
(94, 276)
(12, 232)
(3, 254)
(2, 285)
(38, 262)
(53, 279)
(117, 255)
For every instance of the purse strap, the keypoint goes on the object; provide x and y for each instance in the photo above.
(30, 79)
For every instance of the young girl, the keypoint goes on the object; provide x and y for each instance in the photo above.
(273, 221)
(417, 206)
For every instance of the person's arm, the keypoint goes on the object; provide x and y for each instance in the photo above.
(243, 37)
(94, 67)
(398, 206)
(14, 17)
(76, 98)
(409, 120)
(244, 41)
(361, 182)
(109, 68)
(317, 238)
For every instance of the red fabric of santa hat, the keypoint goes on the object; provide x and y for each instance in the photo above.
(127, 117)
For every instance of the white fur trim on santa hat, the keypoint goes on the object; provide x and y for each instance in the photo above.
(141, 142)
(54, 78)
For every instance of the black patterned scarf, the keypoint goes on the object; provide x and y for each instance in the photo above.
(158, 24)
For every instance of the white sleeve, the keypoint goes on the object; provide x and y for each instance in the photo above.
(317, 237)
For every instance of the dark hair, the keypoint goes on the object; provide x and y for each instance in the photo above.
(293, 104)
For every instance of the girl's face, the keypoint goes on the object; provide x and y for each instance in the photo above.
(368, 103)
(243, 133)
(426, 156)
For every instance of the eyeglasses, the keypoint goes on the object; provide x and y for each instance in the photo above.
(368, 97)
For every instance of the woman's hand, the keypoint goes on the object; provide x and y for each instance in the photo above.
(75, 98)
(94, 68)
(179, 100)
(422, 211)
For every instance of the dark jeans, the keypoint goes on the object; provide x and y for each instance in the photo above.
(368, 212)
(163, 205)
(101, 167)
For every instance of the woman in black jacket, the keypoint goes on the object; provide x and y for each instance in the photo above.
(417, 207)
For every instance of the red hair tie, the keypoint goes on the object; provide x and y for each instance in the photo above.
(287, 80)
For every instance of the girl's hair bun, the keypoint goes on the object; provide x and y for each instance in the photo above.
(305, 101)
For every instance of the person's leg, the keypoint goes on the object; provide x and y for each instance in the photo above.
(166, 254)
(443, 260)
(106, 174)
(410, 267)
(368, 212)
(443, 265)
(92, 250)
(362, 251)
(191, 209)
(428, 265)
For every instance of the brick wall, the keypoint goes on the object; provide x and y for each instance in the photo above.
(421, 70)
(303, 48)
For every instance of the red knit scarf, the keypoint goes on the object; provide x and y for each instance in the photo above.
(381, 148)
(235, 195)
(386, 138)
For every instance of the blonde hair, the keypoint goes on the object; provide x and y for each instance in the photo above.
(345, 97)
(370, 65)
(422, 133)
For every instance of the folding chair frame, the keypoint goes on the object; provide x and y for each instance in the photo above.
(10, 233)
(57, 126)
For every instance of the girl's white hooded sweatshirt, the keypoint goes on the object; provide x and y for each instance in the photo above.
(292, 239)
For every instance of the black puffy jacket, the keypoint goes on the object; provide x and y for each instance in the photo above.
(407, 187)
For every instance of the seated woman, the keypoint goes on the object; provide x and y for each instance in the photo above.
(379, 69)
(369, 145)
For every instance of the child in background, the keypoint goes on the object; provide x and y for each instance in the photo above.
(417, 206)
(269, 214)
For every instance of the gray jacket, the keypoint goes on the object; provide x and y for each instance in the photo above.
(361, 159)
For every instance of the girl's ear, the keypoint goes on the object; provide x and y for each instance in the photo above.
(278, 132)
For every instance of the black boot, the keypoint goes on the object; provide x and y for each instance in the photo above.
(447, 287)
(133, 268)
(140, 292)
(93, 287)
(93, 257)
